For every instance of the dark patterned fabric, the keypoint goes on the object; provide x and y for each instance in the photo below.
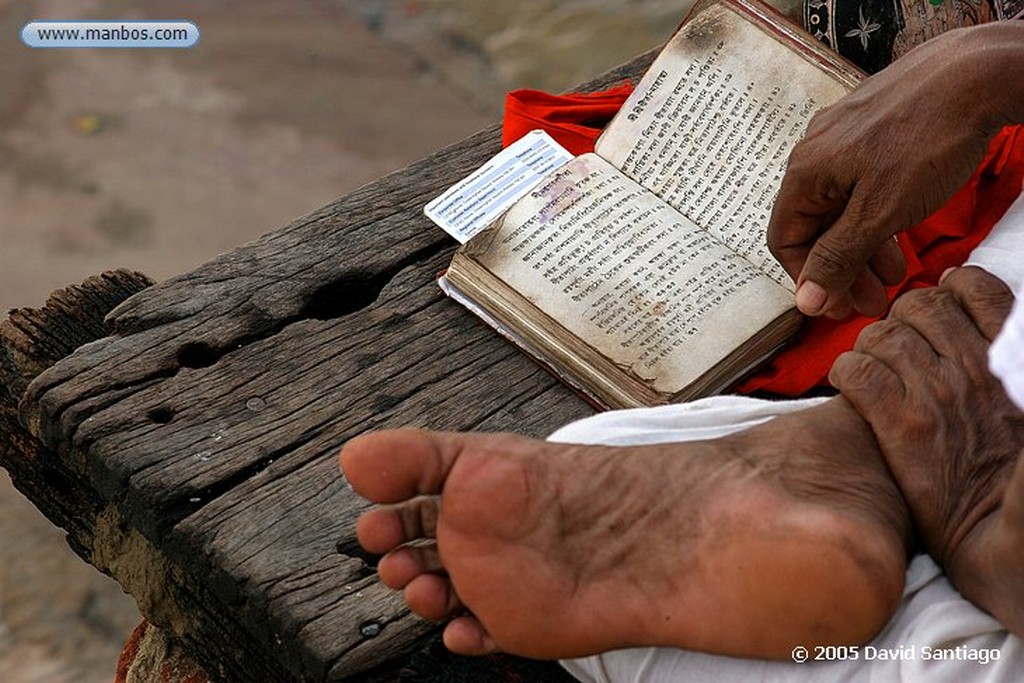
(873, 33)
(1010, 9)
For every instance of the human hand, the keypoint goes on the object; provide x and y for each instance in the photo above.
(946, 427)
(884, 158)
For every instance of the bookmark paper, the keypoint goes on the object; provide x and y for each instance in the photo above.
(472, 204)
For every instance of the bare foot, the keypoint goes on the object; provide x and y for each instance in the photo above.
(949, 432)
(789, 533)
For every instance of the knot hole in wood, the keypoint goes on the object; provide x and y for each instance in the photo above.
(162, 415)
(347, 294)
(197, 355)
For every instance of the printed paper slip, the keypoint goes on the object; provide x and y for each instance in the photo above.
(472, 204)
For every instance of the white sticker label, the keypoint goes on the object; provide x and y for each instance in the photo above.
(472, 204)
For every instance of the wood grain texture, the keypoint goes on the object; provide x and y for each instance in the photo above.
(201, 423)
(30, 341)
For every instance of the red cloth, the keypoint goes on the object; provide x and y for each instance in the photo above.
(943, 240)
(574, 121)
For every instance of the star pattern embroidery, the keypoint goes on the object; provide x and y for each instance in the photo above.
(865, 27)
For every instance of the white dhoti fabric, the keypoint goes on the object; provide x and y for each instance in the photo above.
(1001, 253)
(935, 635)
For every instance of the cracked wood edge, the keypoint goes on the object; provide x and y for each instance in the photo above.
(30, 341)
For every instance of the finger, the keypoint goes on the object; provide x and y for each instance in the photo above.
(400, 566)
(465, 635)
(937, 317)
(432, 596)
(392, 466)
(985, 299)
(837, 258)
(812, 299)
(867, 383)
(790, 238)
(888, 263)
(895, 342)
(839, 308)
(802, 211)
(381, 529)
(867, 294)
(888, 356)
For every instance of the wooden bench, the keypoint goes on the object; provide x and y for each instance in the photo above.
(185, 434)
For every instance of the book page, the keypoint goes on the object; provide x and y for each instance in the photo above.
(629, 275)
(710, 126)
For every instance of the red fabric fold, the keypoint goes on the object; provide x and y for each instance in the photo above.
(943, 240)
(573, 120)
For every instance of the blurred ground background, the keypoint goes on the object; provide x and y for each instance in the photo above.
(159, 160)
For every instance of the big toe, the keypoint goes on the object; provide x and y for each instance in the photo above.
(393, 466)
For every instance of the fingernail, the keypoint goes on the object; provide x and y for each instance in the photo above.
(946, 273)
(811, 298)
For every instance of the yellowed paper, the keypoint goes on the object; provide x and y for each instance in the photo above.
(711, 125)
(623, 271)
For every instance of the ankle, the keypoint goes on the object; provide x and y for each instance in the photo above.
(987, 570)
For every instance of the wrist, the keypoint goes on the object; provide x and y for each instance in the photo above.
(992, 79)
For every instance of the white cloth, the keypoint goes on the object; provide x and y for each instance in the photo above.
(1006, 356)
(933, 618)
(998, 255)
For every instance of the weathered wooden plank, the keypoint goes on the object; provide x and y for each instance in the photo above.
(206, 425)
(339, 378)
(35, 339)
(32, 340)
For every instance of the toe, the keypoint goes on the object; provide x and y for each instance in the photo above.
(399, 567)
(432, 596)
(393, 466)
(465, 635)
(384, 528)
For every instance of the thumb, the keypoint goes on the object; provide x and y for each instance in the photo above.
(835, 261)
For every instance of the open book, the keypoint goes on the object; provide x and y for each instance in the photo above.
(640, 273)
